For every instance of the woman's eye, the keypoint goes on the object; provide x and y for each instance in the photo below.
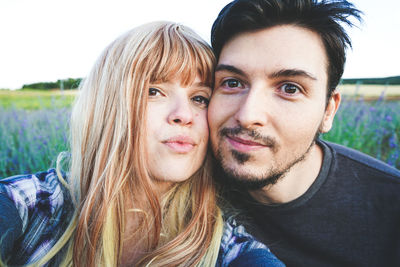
(154, 92)
(290, 89)
(232, 83)
(201, 100)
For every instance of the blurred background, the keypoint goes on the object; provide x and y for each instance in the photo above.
(48, 46)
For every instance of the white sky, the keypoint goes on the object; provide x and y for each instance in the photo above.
(47, 40)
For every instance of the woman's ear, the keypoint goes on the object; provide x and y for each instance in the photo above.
(330, 111)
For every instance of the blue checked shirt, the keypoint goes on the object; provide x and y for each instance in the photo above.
(237, 245)
(45, 208)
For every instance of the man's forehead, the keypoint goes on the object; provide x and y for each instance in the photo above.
(275, 49)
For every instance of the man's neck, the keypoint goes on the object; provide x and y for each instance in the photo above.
(295, 182)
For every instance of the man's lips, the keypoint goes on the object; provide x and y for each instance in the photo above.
(180, 144)
(244, 145)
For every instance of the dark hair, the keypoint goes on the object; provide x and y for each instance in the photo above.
(322, 17)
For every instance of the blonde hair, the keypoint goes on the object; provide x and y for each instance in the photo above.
(107, 163)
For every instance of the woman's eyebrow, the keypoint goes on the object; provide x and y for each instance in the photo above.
(201, 85)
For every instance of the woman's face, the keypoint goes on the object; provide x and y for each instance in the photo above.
(177, 129)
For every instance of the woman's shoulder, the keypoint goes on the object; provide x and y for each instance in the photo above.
(44, 206)
(41, 191)
(236, 240)
(27, 182)
(238, 246)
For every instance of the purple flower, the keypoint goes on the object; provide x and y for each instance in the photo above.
(393, 141)
(381, 97)
(393, 158)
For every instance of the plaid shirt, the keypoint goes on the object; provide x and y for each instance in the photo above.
(236, 242)
(44, 207)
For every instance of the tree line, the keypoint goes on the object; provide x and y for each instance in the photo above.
(394, 80)
(67, 84)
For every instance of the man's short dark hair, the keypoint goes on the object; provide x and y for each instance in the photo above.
(322, 17)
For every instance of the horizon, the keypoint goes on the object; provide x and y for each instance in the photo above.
(76, 78)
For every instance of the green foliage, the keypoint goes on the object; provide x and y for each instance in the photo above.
(69, 83)
(41, 85)
(394, 80)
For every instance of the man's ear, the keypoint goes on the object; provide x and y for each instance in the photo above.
(330, 111)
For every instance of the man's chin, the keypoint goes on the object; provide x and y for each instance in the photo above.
(246, 180)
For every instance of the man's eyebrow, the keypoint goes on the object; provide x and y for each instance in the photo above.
(291, 73)
(230, 68)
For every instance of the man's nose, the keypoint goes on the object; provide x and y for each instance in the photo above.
(253, 110)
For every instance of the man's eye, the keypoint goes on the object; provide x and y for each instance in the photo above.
(232, 83)
(154, 92)
(201, 100)
(289, 88)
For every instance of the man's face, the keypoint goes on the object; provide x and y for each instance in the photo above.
(269, 102)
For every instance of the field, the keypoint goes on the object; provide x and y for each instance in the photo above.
(34, 126)
(36, 99)
(371, 92)
(369, 120)
(371, 127)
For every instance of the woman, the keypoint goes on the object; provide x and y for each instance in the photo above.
(139, 190)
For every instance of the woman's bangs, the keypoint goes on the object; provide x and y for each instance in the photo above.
(183, 59)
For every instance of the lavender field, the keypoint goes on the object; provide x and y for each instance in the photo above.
(30, 140)
(371, 127)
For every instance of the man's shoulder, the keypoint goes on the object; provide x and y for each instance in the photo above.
(361, 161)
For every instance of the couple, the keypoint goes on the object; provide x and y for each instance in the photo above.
(139, 190)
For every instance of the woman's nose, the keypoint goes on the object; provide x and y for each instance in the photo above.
(181, 113)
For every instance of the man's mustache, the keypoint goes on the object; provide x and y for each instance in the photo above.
(256, 136)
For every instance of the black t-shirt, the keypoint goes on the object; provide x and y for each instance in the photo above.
(350, 216)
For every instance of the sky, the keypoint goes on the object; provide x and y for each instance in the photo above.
(47, 40)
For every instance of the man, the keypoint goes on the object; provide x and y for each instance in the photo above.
(312, 202)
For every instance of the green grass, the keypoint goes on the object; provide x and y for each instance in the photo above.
(29, 99)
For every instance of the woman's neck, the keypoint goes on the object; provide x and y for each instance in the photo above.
(139, 232)
(135, 243)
